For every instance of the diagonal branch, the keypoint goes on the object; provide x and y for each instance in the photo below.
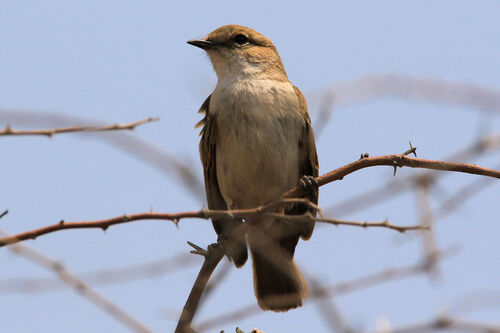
(395, 161)
(392, 187)
(82, 288)
(212, 258)
(105, 277)
(8, 131)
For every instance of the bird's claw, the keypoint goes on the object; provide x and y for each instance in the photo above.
(310, 187)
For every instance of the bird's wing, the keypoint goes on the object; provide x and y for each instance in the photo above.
(207, 154)
(308, 157)
(235, 249)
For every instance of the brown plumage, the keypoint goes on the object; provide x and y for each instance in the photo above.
(256, 143)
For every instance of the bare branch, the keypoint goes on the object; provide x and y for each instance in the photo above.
(445, 323)
(217, 279)
(456, 200)
(8, 131)
(202, 214)
(414, 88)
(146, 270)
(400, 184)
(384, 276)
(131, 144)
(212, 258)
(79, 286)
(329, 310)
(382, 224)
(426, 217)
(395, 161)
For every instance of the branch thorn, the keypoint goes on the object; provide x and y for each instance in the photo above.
(412, 150)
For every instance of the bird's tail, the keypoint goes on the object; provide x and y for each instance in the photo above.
(278, 283)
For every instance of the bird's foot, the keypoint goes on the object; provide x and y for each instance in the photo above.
(310, 187)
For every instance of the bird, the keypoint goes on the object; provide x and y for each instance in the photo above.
(256, 143)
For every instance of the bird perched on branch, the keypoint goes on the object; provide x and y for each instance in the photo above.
(256, 143)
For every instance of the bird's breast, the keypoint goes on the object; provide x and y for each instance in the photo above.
(258, 125)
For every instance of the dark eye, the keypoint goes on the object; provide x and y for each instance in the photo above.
(240, 39)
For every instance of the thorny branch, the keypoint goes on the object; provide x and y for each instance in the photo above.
(8, 131)
(484, 145)
(203, 214)
(158, 158)
(396, 160)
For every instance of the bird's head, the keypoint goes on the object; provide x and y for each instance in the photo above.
(238, 51)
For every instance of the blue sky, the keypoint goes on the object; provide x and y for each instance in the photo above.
(122, 61)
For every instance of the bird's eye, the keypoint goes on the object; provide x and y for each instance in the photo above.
(240, 39)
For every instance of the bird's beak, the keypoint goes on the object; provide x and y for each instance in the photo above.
(201, 43)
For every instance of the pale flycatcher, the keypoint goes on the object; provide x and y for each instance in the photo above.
(256, 143)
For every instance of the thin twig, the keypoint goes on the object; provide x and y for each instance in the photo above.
(160, 159)
(8, 131)
(79, 286)
(382, 224)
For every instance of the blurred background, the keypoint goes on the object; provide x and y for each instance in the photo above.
(376, 75)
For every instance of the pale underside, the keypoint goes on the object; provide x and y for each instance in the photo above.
(259, 125)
